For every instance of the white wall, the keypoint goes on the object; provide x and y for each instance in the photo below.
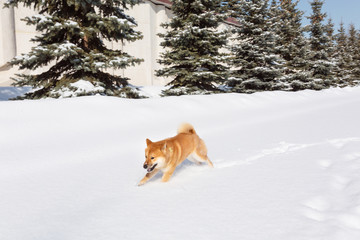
(148, 15)
(7, 41)
(16, 40)
(7, 34)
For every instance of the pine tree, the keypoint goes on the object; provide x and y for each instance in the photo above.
(256, 65)
(353, 52)
(331, 49)
(319, 60)
(329, 29)
(192, 42)
(341, 56)
(356, 80)
(292, 44)
(71, 43)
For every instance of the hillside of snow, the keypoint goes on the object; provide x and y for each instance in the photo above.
(286, 167)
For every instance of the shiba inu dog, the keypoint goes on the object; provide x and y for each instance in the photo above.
(167, 154)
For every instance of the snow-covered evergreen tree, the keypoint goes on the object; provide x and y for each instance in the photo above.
(256, 66)
(192, 42)
(330, 30)
(353, 51)
(292, 44)
(356, 80)
(342, 56)
(71, 43)
(319, 60)
(331, 49)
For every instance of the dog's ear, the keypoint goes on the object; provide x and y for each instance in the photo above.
(148, 142)
(163, 148)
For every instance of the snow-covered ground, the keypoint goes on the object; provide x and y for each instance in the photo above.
(286, 168)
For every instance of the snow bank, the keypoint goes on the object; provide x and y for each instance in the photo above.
(78, 88)
(286, 167)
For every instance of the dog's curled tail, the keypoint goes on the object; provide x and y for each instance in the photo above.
(186, 128)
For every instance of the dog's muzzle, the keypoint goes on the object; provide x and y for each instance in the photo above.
(150, 169)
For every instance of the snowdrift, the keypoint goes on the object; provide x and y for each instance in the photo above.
(286, 168)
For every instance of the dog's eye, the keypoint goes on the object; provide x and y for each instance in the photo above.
(152, 157)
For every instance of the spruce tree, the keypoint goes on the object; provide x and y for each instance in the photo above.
(356, 80)
(343, 59)
(330, 30)
(319, 60)
(71, 44)
(353, 52)
(192, 58)
(292, 44)
(331, 49)
(256, 66)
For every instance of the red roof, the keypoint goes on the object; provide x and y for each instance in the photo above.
(233, 21)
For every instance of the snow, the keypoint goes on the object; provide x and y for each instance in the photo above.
(65, 48)
(98, 65)
(41, 18)
(151, 91)
(286, 167)
(79, 87)
(120, 20)
(118, 61)
(71, 23)
(83, 85)
(25, 57)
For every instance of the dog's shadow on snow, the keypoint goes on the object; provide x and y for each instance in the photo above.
(179, 169)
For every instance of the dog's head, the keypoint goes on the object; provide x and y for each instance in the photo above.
(154, 155)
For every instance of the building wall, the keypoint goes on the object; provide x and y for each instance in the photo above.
(15, 38)
(149, 17)
(7, 42)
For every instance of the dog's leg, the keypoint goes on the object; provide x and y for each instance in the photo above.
(209, 162)
(191, 158)
(200, 154)
(167, 175)
(199, 158)
(148, 176)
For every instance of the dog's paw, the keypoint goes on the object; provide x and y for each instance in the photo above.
(141, 183)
